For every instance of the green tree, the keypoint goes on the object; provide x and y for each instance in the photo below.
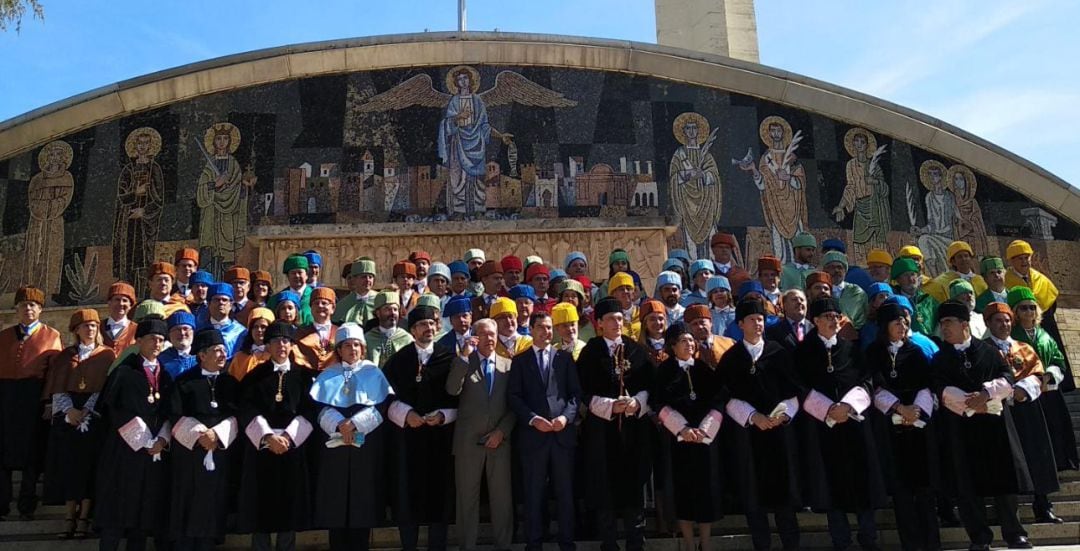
(12, 12)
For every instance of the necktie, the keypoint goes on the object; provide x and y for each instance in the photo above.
(543, 364)
(799, 331)
(489, 375)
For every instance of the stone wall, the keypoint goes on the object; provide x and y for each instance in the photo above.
(456, 152)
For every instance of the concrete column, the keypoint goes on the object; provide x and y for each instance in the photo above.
(724, 27)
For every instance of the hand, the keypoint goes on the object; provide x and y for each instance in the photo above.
(414, 420)
(619, 407)
(347, 431)
(558, 423)
(75, 416)
(278, 444)
(976, 399)
(468, 346)
(761, 421)
(632, 406)
(783, 419)
(542, 425)
(1020, 395)
(838, 214)
(839, 412)
(506, 137)
(159, 445)
(493, 439)
(220, 182)
(434, 419)
(910, 414)
(249, 179)
(136, 214)
(208, 440)
(783, 175)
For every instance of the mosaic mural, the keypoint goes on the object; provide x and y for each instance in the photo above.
(485, 143)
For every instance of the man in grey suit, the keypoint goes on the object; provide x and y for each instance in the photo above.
(544, 394)
(479, 377)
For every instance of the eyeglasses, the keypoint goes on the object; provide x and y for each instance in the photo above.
(1026, 308)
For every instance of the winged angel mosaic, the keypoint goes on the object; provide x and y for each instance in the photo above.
(464, 129)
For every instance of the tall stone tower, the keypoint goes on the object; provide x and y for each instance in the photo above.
(724, 27)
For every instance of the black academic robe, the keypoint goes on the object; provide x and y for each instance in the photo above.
(984, 454)
(275, 490)
(133, 489)
(697, 482)
(350, 482)
(909, 455)
(200, 497)
(617, 455)
(762, 466)
(421, 460)
(841, 467)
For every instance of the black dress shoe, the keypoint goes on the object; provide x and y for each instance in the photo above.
(1020, 543)
(1048, 517)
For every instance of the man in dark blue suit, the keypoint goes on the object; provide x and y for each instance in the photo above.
(543, 394)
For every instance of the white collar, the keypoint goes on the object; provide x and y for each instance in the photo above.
(490, 358)
(685, 364)
(963, 346)
(388, 331)
(722, 267)
(85, 350)
(611, 343)
(282, 368)
(656, 343)
(183, 353)
(1002, 295)
(256, 348)
(152, 365)
(320, 327)
(353, 367)
(206, 373)
(895, 347)
(829, 343)
(220, 323)
(968, 276)
(755, 350)
(803, 266)
(121, 322)
(425, 350)
(301, 290)
(1004, 344)
(546, 350)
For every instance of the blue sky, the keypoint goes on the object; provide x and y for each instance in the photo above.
(1002, 69)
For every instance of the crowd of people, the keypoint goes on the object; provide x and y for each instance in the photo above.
(214, 407)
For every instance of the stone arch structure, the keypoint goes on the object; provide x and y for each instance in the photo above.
(349, 145)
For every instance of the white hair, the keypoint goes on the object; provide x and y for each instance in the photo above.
(485, 322)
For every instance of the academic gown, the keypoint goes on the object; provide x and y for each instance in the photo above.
(350, 483)
(200, 496)
(175, 363)
(380, 347)
(351, 308)
(1030, 420)
(1055, 410)
(124, 339)
(692, 397)
(275, 491)
(318, 353)
(983, 451)
(232, 332)
(909, 455)
(841, 467)
(421, 460)
(72, 453)
(134, 488)
(762, 466)
(617, 455)
(22, 378)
